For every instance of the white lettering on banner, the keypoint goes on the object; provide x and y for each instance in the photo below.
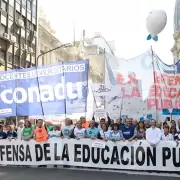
(120, 155)
(43, 72)
(47, 93)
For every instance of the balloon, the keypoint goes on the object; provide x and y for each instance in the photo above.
(155, 23)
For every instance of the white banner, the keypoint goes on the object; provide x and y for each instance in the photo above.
(122, 155)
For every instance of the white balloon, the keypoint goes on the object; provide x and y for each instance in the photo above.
(155, 23)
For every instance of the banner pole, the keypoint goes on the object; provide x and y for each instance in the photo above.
(154, 79)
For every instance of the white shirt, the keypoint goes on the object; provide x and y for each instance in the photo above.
(153, 135)
(177, 128)
(54, 134)
(104, 135)
(19, 133)
(169, 137)
(80, 133)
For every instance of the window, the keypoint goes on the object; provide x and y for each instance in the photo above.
(11, 2)
(9, 57)
(4, 20)
(28, 25)
(23, 41)
(29, 16)
(16, 61)
(29, 5)
(33, 20)
(18, 15)
(23, 33)
(2, 29)
(2, 55)
(17, 38)
(11, 10)
(24, 3)
(34, 47)
(34, 10)
(33, 59)
(23, 12)
(9, 66)
(18, 7)
(3, 6)
(34, 2)
(29, 43)
(19, 1)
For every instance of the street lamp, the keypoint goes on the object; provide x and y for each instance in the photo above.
(59, 47)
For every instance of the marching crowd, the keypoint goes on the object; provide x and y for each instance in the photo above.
(129, 130)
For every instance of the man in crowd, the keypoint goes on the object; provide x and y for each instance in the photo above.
(153, 134)
(147, 124)
(20, 129)
(128, 131)
(92, 132)
(120, 123)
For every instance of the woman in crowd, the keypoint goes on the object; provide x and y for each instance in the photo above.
(115, 134)
(11, 134)
(141, 131)
(79, 131)
(92, 132)
(3, 134)
(104, 132)
(40, 132)
(55, 132)
(166, 136)
(174, 132)
(173, 123)
(67, 129)
(27, 132)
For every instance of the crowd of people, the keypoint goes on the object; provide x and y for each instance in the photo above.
(105, 130)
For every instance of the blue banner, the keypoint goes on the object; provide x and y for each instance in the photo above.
(175, 112)
(49, 90)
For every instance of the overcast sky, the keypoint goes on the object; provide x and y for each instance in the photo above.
(121, 20)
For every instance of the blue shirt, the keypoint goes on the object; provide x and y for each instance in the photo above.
(3, 135)
(11, 134)
(128, 132)
(92, 132)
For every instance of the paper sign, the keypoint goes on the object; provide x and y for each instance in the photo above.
(99, 144)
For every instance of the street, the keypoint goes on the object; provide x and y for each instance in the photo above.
(15, 173)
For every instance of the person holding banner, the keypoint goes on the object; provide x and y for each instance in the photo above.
(115, 134)
(67, 129)
(79, 131)
(178, 127)
(54, 133)
(20, 129)
(27, 132)
(85, 124)
(166, 136)
(40, 132)
(141, 131)
(153, 134)
(3, 134)
(104, 132)
(11, 134)
(129, 131)
(92, 132)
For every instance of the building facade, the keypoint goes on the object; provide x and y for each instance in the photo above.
(18, 33)
(47, 40)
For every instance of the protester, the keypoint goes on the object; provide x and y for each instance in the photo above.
(11, 134)
(115, 134)
(128, 131)
(104, 132)
(147, 124)
(85, 124)
(141, 131)
(174, 132)
(79, 131)
(92, 132)
(20, 129)
(153, 134)
(172, 123)
(27, 132)
(178, 127)
(166, 136)
(48, 126)
(3, 134)
(40, 132)
(134, 123)
(55, 132)
(67, 129)
(119, 122)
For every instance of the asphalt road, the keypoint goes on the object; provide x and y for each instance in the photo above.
(11, 173)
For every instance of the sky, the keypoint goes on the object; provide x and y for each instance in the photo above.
(123, 21)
